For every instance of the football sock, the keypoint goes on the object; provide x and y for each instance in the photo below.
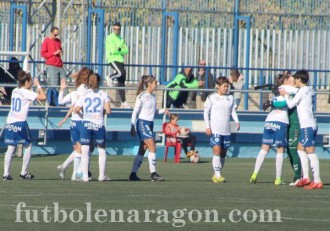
(102, 161)
(84, 161)
(216, 165)
(152, 162)
(137, 163)
(222, 163)
(68, 160)
(304, 163)
(10, 151)
(260, 160)
(76, 163)
(314, 161)
(26, 158)
(278, 165)
(89, 159)
(295, 161)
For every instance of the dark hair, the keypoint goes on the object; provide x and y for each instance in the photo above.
(302, 75)
(53, 28)
(94, 81)
(23, 77)
(221, 80)
(83, 76)
(145, 80)
(13, 63)
(281, 78)
(117, 24)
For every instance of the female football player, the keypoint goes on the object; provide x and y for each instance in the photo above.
(143, 117)
(17, 130)
(81, 80)
(308, 130)
(275, 131)
(218, 108)
(94, 104)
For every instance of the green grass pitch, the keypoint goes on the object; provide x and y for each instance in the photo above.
(186, 200)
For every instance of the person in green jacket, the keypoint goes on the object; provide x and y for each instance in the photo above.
(184, 79)
(115, 49)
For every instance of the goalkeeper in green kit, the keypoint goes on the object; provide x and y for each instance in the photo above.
(293, 139)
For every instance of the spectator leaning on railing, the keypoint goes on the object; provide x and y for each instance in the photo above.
(201, 95)
(184, 79)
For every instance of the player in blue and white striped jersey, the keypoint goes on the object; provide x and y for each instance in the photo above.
(218, 108)
(143, 118)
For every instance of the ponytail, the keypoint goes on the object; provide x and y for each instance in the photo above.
(145, 80)
(83, 75)
(23, 77)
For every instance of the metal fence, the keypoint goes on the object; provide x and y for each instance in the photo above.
(271, 14)
(289, 34)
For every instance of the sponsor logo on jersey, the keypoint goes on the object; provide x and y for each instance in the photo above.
(11, 127)
(272, 126)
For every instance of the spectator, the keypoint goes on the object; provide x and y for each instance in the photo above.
(201, 95)
(174, 129)
(236, 83)
(115, 49)
(184, 79)
(51, 50)
(10, 77)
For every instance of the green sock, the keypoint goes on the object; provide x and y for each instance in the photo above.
(295, 162)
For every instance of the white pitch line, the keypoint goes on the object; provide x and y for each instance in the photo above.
(43, 194)
(304, 219)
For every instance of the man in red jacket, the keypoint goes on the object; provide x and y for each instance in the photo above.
(51, 50)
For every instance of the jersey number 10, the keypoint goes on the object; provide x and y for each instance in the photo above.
(16, 104)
